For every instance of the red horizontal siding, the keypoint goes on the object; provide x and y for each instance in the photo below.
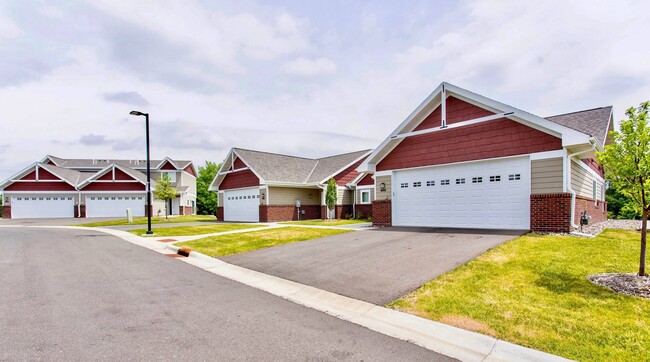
(239, 179)
(30, 176)
(108, 176)
(347, 175)
(46, 175)
(115, 186)
(457, 111)
(498, 138)
(366, 180)
(168, 166)
(239, 164)
(121, 175)
(40, 186)
(189, 170)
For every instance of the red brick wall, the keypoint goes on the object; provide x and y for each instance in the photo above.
(498, 138)
(597, 210)
(239, 179)
(347, 175)
(550, 213)
(6, 211)
(81, 208)
(366, 180)
(220, 213)
(457, 111)
(40, 186)
(185, 210)
(381, 213)
(272, 213)
(365, 209)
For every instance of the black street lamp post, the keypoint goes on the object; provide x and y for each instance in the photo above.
(146, 116)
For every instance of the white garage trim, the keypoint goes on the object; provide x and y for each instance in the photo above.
(242, 204)
(114, 205)
(487, 194)
(42, 206)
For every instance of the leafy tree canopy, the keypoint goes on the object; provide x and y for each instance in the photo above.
(206, 201)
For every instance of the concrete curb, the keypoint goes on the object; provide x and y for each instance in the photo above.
(450, 341)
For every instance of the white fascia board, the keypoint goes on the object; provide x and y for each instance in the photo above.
(357, 179)
(548, 154)
(221, 172)
(346, 166)
(19, 174)
(59, 176)
(166, 159)
(96, 175)
(383, 173)
(292, 184)
(366, 187)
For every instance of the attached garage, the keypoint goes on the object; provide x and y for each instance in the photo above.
(50, 206)
(492, 194)
(114, 206)
(242, 205)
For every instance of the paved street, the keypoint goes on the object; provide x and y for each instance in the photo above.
(83, 295)
(376, 266)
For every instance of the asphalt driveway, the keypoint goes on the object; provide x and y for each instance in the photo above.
(80, 295)
(377, 266)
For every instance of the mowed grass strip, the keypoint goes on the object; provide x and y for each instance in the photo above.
(196, 230)
(333, 222)
(239, 243)
(154, 220)
(534, 291)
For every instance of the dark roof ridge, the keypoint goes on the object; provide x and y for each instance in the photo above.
(274, 153)
(584, 110)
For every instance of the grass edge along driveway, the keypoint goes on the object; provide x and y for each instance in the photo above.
(333, 222)
(223, 245)
(534, 291)
(154, 220)
(197, 229)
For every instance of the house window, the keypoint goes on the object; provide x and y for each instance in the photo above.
(477, 180)
(417, 184)
(171, 175)
(365, 196)
(514, 177)
(404, 185)
(431, 183)
(444, 182)
(495, 178)
(460, 181)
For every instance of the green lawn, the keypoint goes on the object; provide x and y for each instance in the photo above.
(534, 291)
(333, 222)
(196, 230)
(240, 243)
(154, 220)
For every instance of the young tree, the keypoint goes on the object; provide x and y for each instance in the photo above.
(330, 197)
(206, 201)
(165, 191)
(627, 162)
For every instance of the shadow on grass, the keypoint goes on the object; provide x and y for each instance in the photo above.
(578, 285)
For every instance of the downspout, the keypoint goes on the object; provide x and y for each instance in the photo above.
(567, 171)
(79, 205)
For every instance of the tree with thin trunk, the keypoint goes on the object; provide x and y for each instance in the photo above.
(627, 163)
(206, 200)
(330, 197)
(165, 191)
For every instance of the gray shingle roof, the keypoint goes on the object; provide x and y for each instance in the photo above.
(273, 167)
(594, 122)
(102, 163)
(71, 176)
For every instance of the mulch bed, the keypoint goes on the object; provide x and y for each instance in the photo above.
(630, 284)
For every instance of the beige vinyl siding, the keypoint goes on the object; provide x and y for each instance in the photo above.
(288, 196)
(385, 195)
(372, 195)
(188, 180)
(582, 181)
(344, 197)
(546, 176)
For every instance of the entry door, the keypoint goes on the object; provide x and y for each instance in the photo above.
(52, 206)
(491, 194)
(242, 205)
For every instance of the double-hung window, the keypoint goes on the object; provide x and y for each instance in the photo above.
(365, 196)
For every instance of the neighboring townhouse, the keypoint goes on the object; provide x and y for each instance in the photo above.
(260, 186)
(462, 160)
(58, 188)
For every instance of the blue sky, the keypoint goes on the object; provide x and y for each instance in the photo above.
(299, 77)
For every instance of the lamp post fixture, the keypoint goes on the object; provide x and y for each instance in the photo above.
(146, 116)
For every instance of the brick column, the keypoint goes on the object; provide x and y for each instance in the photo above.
(6, 211)
(382, 213)
(80, 211)
(550, 213)
(220, 213)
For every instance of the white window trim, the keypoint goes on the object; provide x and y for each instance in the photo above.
(365, 191)
(171, 174)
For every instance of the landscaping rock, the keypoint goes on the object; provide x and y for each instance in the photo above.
(630, 284)
(597, 228)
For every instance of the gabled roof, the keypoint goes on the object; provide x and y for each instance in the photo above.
(70, 176)
(595, 122)
(137, 175)
(89, 163)
(284, 169)
(568, 135)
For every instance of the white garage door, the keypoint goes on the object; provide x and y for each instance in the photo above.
(114, 206)
(486, 194)
(242, 205)
(42, 207)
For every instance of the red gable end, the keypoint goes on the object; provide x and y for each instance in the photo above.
(347, 175)
(366, 180)
(189, 170)
(168, 166)
(239, 179)
(239, 164)
(457, 111)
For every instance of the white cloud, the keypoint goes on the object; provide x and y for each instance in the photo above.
(309, 67)
(8, 29)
